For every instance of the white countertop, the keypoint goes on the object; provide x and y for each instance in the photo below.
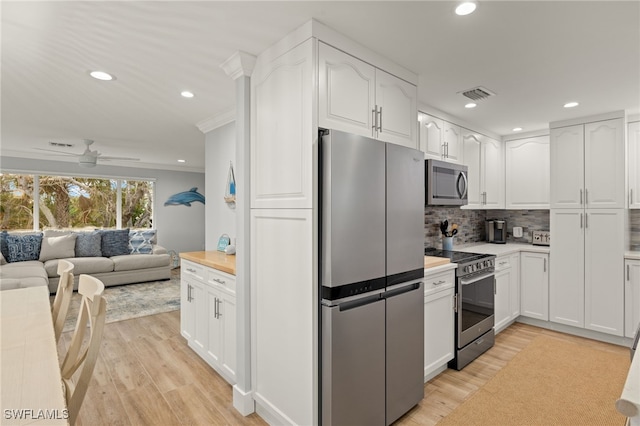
(632, 255)
(440, 268)
(502, 249)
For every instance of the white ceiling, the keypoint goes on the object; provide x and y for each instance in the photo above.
(534, 55)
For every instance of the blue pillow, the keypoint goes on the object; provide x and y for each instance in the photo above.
(21, 248)
(3, 244)
(115, 242)
(141, 241)
(89, 244)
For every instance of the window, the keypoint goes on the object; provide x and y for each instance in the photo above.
(74, 202)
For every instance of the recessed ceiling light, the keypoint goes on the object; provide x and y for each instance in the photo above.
(571, 104)
(101, 75)
(517, 129)
(187, 94)
(465, 8)
(470, 105)
(182, 161)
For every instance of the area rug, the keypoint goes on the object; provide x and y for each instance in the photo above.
(550, 382)
(133, 300)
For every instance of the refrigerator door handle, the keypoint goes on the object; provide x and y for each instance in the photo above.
(352, 304)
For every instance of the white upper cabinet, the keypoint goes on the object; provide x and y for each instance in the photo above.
(527, 173)
(587, 165)
(283, 130)
(347, 90)
(634, 165)
(440, 139)
(484, 158)
(359, 98)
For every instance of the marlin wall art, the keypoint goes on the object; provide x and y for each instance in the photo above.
(185, 198)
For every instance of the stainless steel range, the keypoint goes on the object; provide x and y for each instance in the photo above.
(474, 304)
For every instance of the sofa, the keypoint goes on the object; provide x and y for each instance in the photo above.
(115, 257)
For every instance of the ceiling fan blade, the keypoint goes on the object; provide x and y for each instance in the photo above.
(59, 152)
(118, 158)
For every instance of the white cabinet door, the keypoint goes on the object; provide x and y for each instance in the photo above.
(397, 106)
(438, 330)
(227, 314)
(472, 146)
(199, 300)
(634, 165)
(567, 167)
(283, 130)
(431, 136)
(631, 297)
(604, 279)
(604, 164)
(187, 310)
(214, 345)
(502, 299)
(527, 173)
(452, 143)
(492, 170)
(346, 88)
(534, 285)
(566, 287)
(514, 260)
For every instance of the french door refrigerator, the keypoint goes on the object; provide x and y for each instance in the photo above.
(371, 197)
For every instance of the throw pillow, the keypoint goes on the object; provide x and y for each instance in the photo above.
(23, 247)
(115, 242)
(3, 244)
(141, 241)
(89, 244)
(58, 247)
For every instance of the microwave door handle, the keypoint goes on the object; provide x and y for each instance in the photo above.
(466, 185)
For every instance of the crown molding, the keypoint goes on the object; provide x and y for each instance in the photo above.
(239, 64)
(216, 121)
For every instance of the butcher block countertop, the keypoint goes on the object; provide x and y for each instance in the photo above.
(431, 261)
(213, 259)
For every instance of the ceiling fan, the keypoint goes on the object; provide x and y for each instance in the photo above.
(89, 158)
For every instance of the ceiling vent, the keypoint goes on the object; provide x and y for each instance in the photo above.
(478, 93)
(61, 145)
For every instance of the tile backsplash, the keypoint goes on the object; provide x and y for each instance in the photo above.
(471, 224)
(634, 229)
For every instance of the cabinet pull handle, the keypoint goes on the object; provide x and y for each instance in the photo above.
(581, 197)
(215, 308)
(444, 150)
(193, 271)
(374, 119)
(545, 265)
(586, 220)
(439, 282)
(455, 302)
(189, 296)
(580, 220)
(219, 313)
(380, 121)
(219, 281)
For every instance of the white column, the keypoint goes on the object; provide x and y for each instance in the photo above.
(239, 67)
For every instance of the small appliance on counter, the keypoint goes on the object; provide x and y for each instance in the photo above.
(540, 238)
(496, 231)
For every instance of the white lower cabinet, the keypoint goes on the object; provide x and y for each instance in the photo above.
(534, 285)
(438, 321)
(631, 296)
(507, 291)
(208, 316)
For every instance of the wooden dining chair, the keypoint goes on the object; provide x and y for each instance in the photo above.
(82, 355)
(61, 303)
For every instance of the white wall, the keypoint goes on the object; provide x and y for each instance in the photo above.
(220, 149)
(180, 228)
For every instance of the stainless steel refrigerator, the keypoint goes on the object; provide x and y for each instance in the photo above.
(371, 271)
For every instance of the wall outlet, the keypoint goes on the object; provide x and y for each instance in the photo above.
(541, 238)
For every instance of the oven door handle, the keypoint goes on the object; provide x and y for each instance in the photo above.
(476, 279)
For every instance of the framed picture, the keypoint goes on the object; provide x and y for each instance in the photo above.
(223, 242)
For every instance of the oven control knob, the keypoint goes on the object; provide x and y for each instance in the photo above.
(479, 266)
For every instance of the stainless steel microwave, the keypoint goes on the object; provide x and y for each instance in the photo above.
(446, 183)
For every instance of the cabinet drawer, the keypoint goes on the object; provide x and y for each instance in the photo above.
(191, 269)
(221, 279)
(503, 262)
(440, 281)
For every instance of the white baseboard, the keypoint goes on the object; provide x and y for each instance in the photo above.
(435, 372)
(243, 401)
(582, 332)
(269, 412)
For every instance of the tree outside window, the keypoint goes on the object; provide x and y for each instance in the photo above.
(74, 202)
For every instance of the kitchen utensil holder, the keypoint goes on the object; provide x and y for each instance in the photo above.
(447, 243)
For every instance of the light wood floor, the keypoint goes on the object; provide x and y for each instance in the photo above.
(147, 375)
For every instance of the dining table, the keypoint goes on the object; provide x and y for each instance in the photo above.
(32, 390)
